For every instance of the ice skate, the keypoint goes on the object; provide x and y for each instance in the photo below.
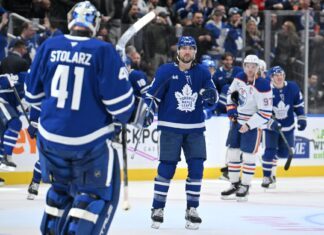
(192, 219)
(6, 164)
(157, 217)
(268, 183)
(242, 193)
(32, 191)
(2, 182)
(229, 194)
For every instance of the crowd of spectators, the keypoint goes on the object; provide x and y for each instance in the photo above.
(216, 25)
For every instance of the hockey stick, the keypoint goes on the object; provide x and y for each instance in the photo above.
(126, 205)
(120, 47)
(290, 150)
(131, 31)
(20, 103)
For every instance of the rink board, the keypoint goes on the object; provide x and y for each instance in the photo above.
(308, 161)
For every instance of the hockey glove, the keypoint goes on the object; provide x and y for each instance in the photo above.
(274, 125)
(149, 117)
(301, 123)
(208, 113)
(209, 96)
(232, 112)
(235, 97)
(32, 131)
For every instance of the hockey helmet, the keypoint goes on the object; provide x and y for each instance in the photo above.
(86, 15)
(208, 63)
(186, 41)
(251, 59)
(205, 57)
(276, 70)
(262, 65)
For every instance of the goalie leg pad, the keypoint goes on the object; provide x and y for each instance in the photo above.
(58, 204)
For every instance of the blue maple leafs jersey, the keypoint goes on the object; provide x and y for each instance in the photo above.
(180, 106)
(79, 84)
(139, 82)
(287, 101)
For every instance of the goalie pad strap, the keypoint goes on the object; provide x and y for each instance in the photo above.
(83, 214)
(53, 211)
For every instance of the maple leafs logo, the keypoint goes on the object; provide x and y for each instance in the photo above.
(281, 111)
(186, 99)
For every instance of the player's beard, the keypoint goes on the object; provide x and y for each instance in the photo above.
(186, 59)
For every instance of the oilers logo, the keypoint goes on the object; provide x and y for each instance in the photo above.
(242, 96)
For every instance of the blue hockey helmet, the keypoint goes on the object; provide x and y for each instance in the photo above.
(209, 63)
(205, 57)
(276, 70)
(186, 41)
(86, 15)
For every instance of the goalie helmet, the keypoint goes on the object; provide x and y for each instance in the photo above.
(86, 15)
(186, 41)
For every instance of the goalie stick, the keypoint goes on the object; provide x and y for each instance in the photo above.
(120, 47)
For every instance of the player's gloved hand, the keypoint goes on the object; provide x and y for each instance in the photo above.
(274, 125)
(12, 79)
(209, 96)
(32, 131)
(232, 112)
(149, 117)
(235, 97)
(301, 123)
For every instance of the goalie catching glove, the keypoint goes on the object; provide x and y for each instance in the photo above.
(143, 114)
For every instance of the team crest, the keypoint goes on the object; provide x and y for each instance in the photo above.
(281, 111)
(242, 96)
(186, 99)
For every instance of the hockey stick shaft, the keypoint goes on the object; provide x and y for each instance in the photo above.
(20, 103)
(125, 168)
(290, 151)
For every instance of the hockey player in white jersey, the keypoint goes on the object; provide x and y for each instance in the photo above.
(78, 84)
(249, 111)
(287, 101)
(180, 90)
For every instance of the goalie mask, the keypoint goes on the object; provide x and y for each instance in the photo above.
(84, 14)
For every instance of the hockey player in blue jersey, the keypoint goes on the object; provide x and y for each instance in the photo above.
(287, 102)
(250, 111)
(10, 124)
(180, 90)
(79, 83)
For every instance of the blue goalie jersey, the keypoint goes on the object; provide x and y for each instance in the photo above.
(79, 84)
(180, 105)
(287, 101)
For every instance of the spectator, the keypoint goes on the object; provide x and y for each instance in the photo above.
(234, 41)
(14, 62)
(130, 14)
(315, 94)
(287, 49)
(3, 32)
(253, 13)
(253, 43)
(278, 5)
(199, 33)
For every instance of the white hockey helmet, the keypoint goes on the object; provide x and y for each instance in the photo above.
(251, 59)
(86, 15)
(262, 65)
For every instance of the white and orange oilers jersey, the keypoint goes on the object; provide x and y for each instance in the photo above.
(255, 100)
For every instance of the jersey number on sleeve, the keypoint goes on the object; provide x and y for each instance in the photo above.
(60, 83)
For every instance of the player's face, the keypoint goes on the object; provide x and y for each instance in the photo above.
(187, 54)
(228, 62)
(278, 79)
(250, 70)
